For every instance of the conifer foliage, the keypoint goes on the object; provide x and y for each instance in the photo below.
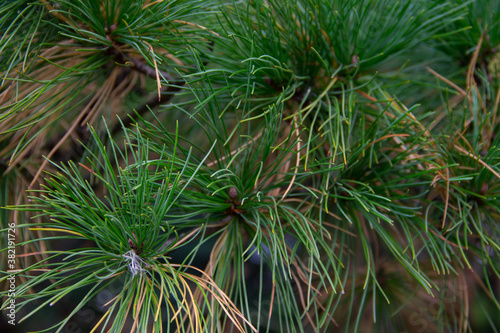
(251, 166)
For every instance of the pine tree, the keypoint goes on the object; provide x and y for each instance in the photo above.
(250, 166)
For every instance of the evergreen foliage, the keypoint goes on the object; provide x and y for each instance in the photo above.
(251, 166)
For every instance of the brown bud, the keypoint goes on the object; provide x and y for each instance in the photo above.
(132, 245)
(233, 194)
(484, 188)
(355, 60)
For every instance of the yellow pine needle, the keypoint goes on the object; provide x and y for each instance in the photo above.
(57, 229)
(101, 320)
(197, 25)
(159, 300)
(158, 82)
